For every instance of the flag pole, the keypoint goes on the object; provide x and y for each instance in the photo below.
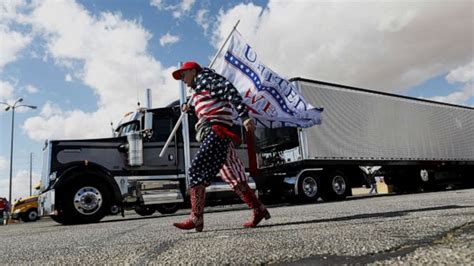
(225, 42)
(178, 123)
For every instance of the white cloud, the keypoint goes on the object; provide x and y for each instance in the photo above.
(183, 8)
(157, 3)
(168, 39)
(386, 45)
(54, 123)
(50, 109)
(105, 52)
(68, 78)
(9, 10)
(203, 19)
(178, 10)
(3, 163)
(458, 97)
(249, 16)
(7, 94)
(20, 184)
(462, 74)
(31, 89)
(6, 91)
(396, 21)
(11, 44)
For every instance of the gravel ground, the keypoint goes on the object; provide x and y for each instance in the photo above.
(402, 229)
(456, 248)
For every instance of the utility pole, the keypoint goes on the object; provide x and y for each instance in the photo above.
(31, 176)
(13, 107)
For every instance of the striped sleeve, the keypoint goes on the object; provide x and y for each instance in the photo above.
(223, 89)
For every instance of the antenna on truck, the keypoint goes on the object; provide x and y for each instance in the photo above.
(148, 98)
(112, 128)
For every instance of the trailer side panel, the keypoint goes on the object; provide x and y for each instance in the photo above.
(367, 125)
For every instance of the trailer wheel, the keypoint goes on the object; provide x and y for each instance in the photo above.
(467, 178)
(30, 216)
(309, 188)
(167, 208)
(85, 201)
(336, 187)
(427, 181)
(144, 211)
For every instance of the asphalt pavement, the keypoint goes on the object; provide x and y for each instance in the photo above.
(421, 228)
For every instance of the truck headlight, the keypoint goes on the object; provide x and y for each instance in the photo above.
(52, 176)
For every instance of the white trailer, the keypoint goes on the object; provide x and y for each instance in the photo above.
(418, 143)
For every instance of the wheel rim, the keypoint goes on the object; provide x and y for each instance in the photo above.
(424, 175)
(32, 215)
(114, 209)
(339, 185)
(88, 200)
(310, 186)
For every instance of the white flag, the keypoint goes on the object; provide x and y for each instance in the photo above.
(272, 100)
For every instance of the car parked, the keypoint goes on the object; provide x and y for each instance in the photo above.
(4, 208)
(26, 209)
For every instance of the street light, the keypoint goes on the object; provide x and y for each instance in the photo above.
(13, 107)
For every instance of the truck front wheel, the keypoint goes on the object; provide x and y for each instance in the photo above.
(57, 218)
(168, 208)
(85, 201)
(144, 211)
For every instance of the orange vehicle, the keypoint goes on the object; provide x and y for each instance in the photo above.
(26, 209)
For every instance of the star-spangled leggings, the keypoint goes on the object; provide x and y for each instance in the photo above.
(216, 155)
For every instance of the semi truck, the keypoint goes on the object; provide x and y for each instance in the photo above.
(417, 143)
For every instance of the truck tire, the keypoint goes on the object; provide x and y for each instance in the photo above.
(336, 187)
(169, 208)
(427, 181)
(30, 216)
(309, 187)
(467, 178)
(85, 200)
(57, 218)
(144, 211)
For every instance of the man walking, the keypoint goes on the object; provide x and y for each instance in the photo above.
(213, 99)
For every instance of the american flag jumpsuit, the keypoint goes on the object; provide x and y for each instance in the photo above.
(213, 99)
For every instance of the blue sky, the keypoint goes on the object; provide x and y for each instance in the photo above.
(85, 63)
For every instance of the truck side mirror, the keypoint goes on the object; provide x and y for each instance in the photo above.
(148, 121)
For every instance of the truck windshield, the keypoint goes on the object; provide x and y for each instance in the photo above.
(128, 123)
(127, 128)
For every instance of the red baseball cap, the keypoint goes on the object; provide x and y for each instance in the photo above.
(186, 66)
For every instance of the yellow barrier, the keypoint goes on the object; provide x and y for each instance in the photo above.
(383, 188)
